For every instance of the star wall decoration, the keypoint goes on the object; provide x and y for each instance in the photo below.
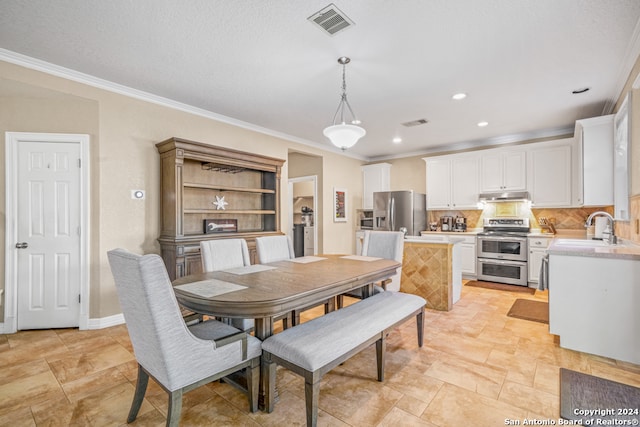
(220, 203)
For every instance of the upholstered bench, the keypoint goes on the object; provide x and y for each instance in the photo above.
(314, 348)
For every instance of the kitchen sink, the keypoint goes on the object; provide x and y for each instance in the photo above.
(585, 243)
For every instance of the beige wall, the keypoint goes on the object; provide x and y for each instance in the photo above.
(306, 165)
(123, 133)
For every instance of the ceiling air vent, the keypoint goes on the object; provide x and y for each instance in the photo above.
(331, 19)
(415, 123)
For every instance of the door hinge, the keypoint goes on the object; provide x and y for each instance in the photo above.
(79, 299)
(79, 163)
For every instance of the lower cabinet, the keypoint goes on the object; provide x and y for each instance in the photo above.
(537, 251)
(469, 262)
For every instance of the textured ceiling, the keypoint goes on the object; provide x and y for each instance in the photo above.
(264, 64)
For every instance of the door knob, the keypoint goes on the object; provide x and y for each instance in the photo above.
(22, 245)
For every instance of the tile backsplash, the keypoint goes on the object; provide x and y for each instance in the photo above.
(565, 218)
(631, 229)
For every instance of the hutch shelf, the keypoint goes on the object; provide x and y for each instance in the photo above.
(210, 192)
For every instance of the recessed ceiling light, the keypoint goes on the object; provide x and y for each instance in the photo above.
(581, 90)
(397, 140)
(483, 124)
(459, 96)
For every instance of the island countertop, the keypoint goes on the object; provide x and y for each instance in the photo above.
(623, 250)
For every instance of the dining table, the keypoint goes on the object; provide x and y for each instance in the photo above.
(265, 291)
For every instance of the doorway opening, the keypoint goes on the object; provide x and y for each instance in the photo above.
(303, 214)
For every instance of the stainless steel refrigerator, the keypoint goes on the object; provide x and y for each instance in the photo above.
(393, 210)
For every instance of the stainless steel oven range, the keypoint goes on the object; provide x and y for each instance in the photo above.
(502, 251)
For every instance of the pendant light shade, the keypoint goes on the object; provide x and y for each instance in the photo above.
(343, 135)
(340, 133)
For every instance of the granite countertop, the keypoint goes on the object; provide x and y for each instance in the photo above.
(470, 232)
(623, 250)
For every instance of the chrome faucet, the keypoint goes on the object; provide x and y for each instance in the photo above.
(611, 239)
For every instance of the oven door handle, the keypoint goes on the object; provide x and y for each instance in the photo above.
(503, 238)
(502, 262)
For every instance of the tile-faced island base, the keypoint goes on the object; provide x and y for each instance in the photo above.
(432, 271)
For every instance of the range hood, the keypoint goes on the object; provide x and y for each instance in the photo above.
(507, 196)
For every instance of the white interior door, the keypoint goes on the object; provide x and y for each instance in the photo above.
(48, 235)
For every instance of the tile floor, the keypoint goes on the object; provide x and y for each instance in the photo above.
(478, 367)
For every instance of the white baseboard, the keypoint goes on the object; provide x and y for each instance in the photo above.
(106, 322)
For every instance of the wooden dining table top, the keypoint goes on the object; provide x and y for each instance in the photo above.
(292, 284)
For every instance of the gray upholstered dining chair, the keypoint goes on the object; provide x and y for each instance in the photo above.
(274, 248)
(381, 244)
(280, 248)
(178, 357)
(222, 254)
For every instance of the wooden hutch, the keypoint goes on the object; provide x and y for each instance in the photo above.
(236, 193)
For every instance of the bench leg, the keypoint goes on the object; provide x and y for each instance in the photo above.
(381, 345)
(420, 320)
(339, 301)
(312, 397)
(269, 378)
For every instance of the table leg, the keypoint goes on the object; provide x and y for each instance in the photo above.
(367, 290)
(263, 329)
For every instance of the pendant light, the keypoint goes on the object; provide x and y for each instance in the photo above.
(341, 134)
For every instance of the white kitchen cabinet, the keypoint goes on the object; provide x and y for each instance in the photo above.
(376, 177)
(452, 181)
(549, 173)
(621, 164)
(537, 251)
(468, 256)
(438, 183)
(593, 162)
(503, 170)
(308, 241)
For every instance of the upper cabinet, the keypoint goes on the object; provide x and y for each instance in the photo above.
(503, 170)
(452, 181)
(593, 161)
(375, 177)
(549, 173)
(621, 167)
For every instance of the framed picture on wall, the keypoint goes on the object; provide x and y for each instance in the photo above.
(339, 205)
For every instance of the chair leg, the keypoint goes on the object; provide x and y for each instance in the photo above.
(312, 397)
(340, 301)
(253, 383)
(175, 407)
(381, 345)
(138, 397)
(420, 320)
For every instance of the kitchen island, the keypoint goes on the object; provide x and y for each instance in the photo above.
(432, 270)
(594, 297)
